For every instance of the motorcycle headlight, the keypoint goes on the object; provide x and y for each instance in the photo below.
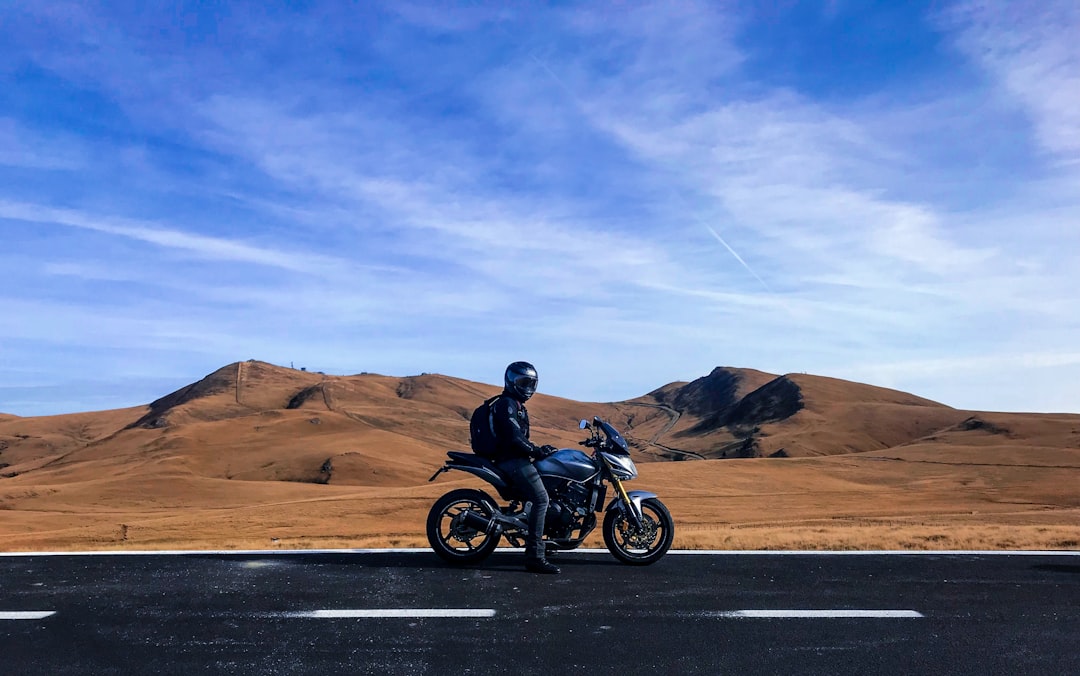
(621, 466)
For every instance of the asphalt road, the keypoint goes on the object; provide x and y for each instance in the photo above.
(407, 613)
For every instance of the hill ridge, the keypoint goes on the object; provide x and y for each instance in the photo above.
(226, 377)
(728, 413)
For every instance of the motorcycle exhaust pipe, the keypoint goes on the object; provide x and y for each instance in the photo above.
(481, 523)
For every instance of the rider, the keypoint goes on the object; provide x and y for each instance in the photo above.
(516, 453)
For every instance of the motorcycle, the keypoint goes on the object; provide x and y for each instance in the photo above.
(465, 525)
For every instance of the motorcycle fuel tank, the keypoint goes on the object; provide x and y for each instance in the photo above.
(568, 463)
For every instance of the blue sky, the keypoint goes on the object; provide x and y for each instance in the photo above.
(626, 194)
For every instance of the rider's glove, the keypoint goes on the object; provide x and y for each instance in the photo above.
(547, 450)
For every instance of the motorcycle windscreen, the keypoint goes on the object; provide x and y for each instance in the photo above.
(568, 463)
(618, 444)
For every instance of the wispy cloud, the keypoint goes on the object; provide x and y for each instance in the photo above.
(1031, 50)
(511, 241)
(216, 248)
(21, 149)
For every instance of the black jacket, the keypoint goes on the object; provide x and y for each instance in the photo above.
(511, 422)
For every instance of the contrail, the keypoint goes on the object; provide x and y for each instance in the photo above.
(737, 257)
(715, 234)
(558, 80)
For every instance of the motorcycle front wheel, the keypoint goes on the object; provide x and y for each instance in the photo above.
(644, 545)
(454, 541)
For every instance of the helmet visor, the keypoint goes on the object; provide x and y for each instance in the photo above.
(525, 384)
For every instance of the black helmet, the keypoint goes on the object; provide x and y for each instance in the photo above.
(520, 380)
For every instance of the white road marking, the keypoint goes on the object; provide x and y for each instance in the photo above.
(26, 614)
(820, 613)
(873, 552)
(426, 550)
(395, 612)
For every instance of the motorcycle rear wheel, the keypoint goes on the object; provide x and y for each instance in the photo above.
(640, 547)
(452, 540)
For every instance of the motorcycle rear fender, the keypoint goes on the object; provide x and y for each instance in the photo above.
(482, 472)
(635, 500)
(467, 462)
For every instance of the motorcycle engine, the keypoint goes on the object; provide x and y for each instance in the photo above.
(559, 521)
(574, 496)
(569, 502)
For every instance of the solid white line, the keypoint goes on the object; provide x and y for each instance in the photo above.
(869, 552)
(26, 614)
(426, 550)
(396, 612)
(820, 613)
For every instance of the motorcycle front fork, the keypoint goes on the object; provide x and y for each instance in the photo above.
(628, 504)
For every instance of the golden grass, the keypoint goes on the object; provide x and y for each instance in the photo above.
(253, 534)
(817, 505)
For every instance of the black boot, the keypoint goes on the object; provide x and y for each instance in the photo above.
(541, 566)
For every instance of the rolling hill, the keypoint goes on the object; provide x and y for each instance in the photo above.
(253, 439)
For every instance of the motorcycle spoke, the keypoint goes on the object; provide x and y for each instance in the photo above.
(459, 537)
(451, 536)
(640, 542)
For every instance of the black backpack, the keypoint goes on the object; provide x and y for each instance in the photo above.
(482, 430)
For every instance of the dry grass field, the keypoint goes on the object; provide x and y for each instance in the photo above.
(259, 456)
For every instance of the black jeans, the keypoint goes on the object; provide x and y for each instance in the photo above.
(527, 482)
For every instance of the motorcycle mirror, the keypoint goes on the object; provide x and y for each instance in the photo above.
(584, 425)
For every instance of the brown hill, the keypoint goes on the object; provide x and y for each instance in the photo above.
(741, 413)
(258, 422)
(255, 447)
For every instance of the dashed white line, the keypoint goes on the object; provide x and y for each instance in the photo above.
(26, 614)
(395, 612)
(821, 613)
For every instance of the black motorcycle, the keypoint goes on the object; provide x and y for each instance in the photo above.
(465, 525)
